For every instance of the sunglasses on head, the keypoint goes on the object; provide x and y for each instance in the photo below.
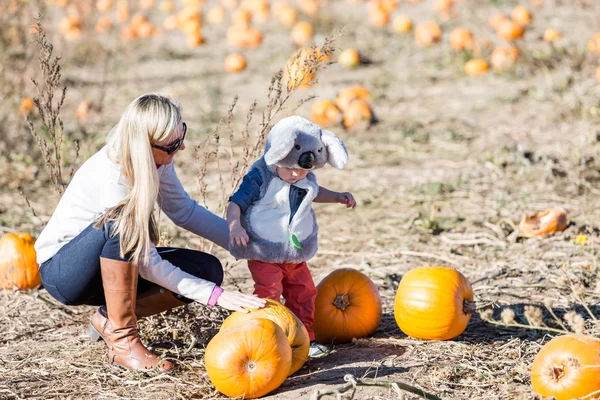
(173, 147)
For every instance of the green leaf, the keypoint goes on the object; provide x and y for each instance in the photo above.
(296, 242)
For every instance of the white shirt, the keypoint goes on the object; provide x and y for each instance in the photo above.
(98, 185)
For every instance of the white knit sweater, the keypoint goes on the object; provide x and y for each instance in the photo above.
(98, 185)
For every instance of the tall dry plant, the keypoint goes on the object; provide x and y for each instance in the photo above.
(244, 147)
(48, 102)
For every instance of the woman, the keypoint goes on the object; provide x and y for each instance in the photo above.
(99, 246)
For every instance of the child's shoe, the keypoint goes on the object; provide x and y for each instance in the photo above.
(318, 350)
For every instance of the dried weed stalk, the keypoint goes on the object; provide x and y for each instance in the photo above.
(48, 106)
(211, 154)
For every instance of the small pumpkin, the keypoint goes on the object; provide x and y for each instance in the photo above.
(495, 20)
(18, 266)
(551, 35)
(349, 58)
(248, 360)
(476, 67)
(461, 39)
(401, 24)
(294, 329)
(543, 223)
(241, 17)
(244, 36)
(325, 113)
(26, 106)
(567, 367)
(521, 15)
(346, 96)
(287, 16)
(443, 6)
(235, 62)
(195, 40)
(593, 44)
(300, 70)
(302, 33)
(348, 305)
(504, 57)
(378, 15)
(433, 303)
(427, 33)
(356, 113)
(509, 30)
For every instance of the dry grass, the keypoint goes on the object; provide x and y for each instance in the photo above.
(442, 179)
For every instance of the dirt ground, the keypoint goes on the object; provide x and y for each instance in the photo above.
(441, 179)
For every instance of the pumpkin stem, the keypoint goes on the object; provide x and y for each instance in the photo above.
(341, 301)
(557, 372)
(469, 306)
(251, 366)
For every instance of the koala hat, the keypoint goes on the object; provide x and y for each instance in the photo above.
(295, 142)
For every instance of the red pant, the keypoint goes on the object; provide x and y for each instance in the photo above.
(293, 281)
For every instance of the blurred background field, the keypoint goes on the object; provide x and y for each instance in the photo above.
(446, 155)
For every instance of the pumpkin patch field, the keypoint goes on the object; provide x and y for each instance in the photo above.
(469, 268)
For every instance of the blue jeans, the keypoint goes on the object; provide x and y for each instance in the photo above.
(73, 275)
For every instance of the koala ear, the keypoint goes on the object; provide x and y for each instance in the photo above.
(337, 153)
(280, 142)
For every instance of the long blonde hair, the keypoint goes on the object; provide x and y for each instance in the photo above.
(148, 119)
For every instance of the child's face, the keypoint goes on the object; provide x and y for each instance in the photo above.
(291, 175)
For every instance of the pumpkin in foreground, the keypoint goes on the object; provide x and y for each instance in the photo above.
(293, 328)
(567, 367)
(249, 359)
(433, 303)
(18, 265)
(348, 305)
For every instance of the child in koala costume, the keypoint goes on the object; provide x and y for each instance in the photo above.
(271, 220)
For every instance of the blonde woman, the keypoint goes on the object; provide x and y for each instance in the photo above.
(99, 246)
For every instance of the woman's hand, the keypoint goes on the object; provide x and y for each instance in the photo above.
(237, 301)
(347, 199)
(237, 234)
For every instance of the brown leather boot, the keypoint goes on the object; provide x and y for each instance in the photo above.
(151, 304)
(125, 349)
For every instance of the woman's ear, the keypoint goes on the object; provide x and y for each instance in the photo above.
(280, 142)
(337, 155)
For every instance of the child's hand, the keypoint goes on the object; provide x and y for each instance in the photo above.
(347, 199)
(238, 235)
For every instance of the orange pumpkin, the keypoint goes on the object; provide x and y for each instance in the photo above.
(358, 111)
(521, 15)
(443, 6)
(346, 96)
(543, 223)
(235, 62)
(348, 305)
(244, 36)
(504, 58)
(287, 15)
(349, 58)
(476, 67)
(309, 7)
(300, 70)
(302, 33)
(509, 30)
(195, 40)
(325, 113)
(294, 329)
(427, 33)
(495, 20)
(249, 359)
(241, 17)
(567, 367)
(26, 106)
(461, 39)
(593, 44)
(401, 24)
(378, 15)
(18, 265)
(551, 35)
(433, 303)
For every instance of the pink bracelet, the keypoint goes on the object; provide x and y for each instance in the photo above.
(215, 295)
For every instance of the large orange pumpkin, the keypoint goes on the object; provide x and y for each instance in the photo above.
(249, 359)
(348, 305)
(18, 265)
(293, 328)
(543, 223)
(433, 303)
(567, 367)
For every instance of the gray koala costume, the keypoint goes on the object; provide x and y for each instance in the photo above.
(277, 215)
